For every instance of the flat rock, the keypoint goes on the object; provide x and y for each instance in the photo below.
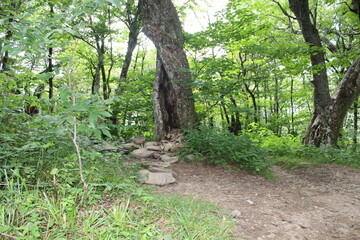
(168, 146)
(153, 148)
(156, 178)
(147, 144)
(144, 153)
(156, 164)
(129, 147)
(105, 146)
(169, 159)
(162, 170)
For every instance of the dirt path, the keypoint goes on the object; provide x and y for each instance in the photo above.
(318, 203)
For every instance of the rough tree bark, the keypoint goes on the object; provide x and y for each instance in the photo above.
(172, 96)
(329, 110)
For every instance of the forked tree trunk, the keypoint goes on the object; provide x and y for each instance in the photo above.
(326, 122)
(172, 96)
(329, 110)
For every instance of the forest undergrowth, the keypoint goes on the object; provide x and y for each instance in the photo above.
(43, 196)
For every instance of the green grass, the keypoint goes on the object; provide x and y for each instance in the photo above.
(115, 210)
(190, 218)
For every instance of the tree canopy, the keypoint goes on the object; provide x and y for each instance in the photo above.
(252, 68)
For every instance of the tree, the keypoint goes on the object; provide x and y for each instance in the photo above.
(7, 11)
(97, 30)
(132, 19)
(329, 110)
(172, 94)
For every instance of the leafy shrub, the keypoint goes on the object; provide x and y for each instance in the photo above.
(289, 150)
(221, 147)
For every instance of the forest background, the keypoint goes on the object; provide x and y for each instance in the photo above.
(78, 73)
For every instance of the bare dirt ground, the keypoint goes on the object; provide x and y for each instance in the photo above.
(314, 203)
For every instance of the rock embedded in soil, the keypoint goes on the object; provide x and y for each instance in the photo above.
(170, 159)
(129, 147)
(147, 144)
(156, 178)
(154, 148)
(235, 214)
(143, 153)
(156, 164)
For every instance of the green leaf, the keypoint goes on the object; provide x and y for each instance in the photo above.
(83, 128)
(106, 132)
(5, 48)
(45, 76)
(117, 3)
(93, 120)
(64, 93)
(97, 134)
(105, 114)
(54, 171)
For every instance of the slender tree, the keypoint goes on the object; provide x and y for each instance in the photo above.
(132, 19)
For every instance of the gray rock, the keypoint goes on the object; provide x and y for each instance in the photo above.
(170, 159)
(129, 147)
(105, 146)
(235, 214)
(147, 144)
(156, 164)
(156, 178)
(153, 148)
(144, 153)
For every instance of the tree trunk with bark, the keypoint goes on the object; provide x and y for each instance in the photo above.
(133, 22)
(325, 125)
(329, 110)
(172, 96)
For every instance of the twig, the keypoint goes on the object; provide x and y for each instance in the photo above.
(3, 235)
(78, 151)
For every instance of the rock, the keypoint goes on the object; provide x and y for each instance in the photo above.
(160, 169)
(235, 214)
(250, 202)
(105, 146)
(156, 178)
(170, 159)
(168, 146)
(165, 146)
(147, 144)
(140, 140)
(129, 147)
(144, 153)
(174, 136)
(154, 148)
(176, 147)
(156, 164)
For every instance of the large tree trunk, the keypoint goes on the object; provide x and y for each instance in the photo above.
(173, 98)
(329, 111)
(326, 124)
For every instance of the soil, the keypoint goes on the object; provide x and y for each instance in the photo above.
(315, 203)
